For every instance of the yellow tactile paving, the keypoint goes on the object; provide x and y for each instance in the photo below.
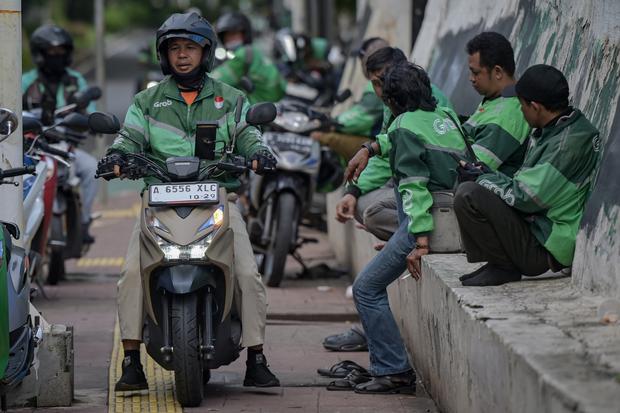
(160, 396)
(89, 262)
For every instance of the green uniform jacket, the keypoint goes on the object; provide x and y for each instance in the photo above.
(378, 171)
(269, 85)
(419, 144)
(499, 133)
(33, 89)
(552, 186)
(364, 118)
(165, 126)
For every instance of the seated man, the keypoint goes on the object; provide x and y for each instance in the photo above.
(497, 127)
(537, 212)
(420, 156)
(361, 122)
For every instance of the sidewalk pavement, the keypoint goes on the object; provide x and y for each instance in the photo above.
(300, 315)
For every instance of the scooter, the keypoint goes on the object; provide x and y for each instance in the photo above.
(192, 322)
(280, 201)
(19, 334)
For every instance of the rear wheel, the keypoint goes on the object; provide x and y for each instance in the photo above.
(188, 373)
(283, 227)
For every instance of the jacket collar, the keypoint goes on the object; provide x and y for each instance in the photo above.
(171, 90)
(558, 124)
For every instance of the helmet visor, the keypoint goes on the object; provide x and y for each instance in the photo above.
(202, 41)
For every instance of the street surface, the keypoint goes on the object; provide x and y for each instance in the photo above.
(300, 316)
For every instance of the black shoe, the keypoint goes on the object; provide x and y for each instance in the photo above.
(133, 377)
(403, 383)
(86, 237)
(493, 275)
(352, 340)
(257, 373)
(473, 274)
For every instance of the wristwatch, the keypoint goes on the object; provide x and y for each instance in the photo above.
(371, 150)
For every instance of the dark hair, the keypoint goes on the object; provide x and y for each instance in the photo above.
(556, 106)
(366, 43)
(407, 88)
(386, 56)
(494, 50)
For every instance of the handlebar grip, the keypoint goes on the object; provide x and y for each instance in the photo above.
(9, 173)
(105, 175)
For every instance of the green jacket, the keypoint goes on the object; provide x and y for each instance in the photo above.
(165, 126)
(499, 133)
(378, 171)
(269, 85)
(552, 186)
(419, 145)
(365, 117)
(33, 89)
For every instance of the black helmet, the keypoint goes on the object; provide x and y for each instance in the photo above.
(46, 37)
(234, 22)
(188, 26)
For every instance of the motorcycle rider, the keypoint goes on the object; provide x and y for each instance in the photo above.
(50, 86)
(162, 122)
(267, 84)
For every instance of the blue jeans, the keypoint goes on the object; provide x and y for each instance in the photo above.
(385, 345)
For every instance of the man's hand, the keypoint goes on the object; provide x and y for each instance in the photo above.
(317, 136)
(414, 259)
(468, 171)
(110, 164)
(345, 208)
(263, 161)
(356, 165)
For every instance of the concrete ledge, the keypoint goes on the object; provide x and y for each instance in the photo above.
(532, 346)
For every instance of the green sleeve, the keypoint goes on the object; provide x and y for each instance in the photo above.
(534, 189)
(231, 71)
(136, 128)
(413, 175)
(249, 139)
(362, 116)
(28, 79)
(375, 175)
(494, 145)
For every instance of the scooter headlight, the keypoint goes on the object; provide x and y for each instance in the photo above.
(214, 220)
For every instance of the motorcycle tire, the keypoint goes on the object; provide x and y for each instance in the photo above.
(56, 266)
(188, 371)
(283, 227)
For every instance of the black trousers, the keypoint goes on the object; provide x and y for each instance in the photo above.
(494, 232)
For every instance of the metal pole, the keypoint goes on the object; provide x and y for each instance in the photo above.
(101, 82)
(11, 156)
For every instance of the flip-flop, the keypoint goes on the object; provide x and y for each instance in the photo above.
(352, 340)
(384, 385)
(342, 369)
(354, 378)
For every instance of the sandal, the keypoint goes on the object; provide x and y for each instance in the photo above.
(352, 340)
(342, 369)
(403, 384)
(354, 378)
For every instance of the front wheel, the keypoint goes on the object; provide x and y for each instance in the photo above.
(283, 227)
(188, 374)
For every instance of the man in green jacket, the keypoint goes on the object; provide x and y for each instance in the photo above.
(528, 223)
(266, 84)
(419, 144)
(161, 121)
(497, 128)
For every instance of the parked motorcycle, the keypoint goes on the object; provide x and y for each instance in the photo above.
(19, 334)
(280, 201)
(192, 322)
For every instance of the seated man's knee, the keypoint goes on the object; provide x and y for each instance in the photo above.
(464, 192)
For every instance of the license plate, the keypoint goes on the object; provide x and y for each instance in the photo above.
(184, 193)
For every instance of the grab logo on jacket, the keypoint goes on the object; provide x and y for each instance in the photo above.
(507, 196)
(442, 126)
(162, 104)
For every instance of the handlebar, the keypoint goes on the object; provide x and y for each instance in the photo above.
(9, 173)
(53, 151)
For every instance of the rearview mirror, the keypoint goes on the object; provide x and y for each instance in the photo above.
(101, 122)
(8, 123)
(261, 114)
(76, 121)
